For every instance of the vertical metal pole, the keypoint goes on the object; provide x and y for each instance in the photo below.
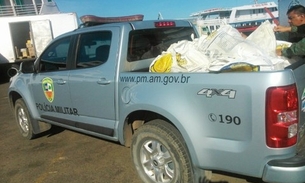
(35, 7)
(13, 7)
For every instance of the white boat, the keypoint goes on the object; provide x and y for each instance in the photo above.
(244, 18)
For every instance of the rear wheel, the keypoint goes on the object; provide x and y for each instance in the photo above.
(160, 154)
(24, 120)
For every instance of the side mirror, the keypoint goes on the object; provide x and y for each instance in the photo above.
(27, 67)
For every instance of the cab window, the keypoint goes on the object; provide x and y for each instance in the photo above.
(94, 48)
(55, 56)
(149, 43)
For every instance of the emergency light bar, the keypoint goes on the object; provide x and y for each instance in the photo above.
(90, 20)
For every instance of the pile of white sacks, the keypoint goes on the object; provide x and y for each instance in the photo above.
(221, 48)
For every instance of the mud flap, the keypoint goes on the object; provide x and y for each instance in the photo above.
(202, 176)
(39, 127)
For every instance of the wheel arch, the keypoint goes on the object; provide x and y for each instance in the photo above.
(136, 118)
(13, 97)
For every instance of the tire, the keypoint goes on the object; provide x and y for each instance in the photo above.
(160, 154)
(23, 119)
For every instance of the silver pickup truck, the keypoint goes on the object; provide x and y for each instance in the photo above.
(179, 126)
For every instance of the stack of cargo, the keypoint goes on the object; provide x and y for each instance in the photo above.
(224, 50)
(24, 52)
(28, 52)
(30, 48)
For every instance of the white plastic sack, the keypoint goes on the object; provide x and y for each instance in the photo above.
(224, 47)
(189, 57)
(264, 38)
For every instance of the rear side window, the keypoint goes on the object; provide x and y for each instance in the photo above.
(94, 48)
(150, 43)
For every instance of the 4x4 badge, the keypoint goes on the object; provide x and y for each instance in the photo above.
(48, 89)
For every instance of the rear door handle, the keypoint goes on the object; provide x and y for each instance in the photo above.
(103, 81)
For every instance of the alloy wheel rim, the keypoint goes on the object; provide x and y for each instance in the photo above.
(23, 120)
(157, 162)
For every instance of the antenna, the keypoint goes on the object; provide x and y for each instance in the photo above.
(160, 17)
(255, 1)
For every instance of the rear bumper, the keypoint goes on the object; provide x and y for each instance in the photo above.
(290, 170)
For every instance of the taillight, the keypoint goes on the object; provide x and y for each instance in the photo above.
(165, 24)
(281, 116)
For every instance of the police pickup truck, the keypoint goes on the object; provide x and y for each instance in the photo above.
(179, 126)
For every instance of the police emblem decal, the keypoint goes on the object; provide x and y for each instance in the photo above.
(48, 89)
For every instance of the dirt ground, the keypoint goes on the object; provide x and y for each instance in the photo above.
(63, 156)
